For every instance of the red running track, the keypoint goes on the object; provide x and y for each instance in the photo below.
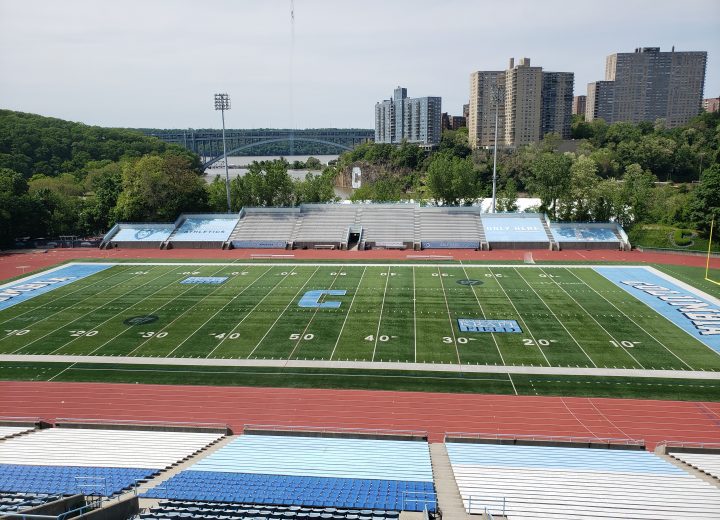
(14, 264)
(435, 413)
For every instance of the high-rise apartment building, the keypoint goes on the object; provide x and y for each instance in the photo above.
(578, 107)
(416, 120)
(532, 103)
(647, 85)
(711, 104)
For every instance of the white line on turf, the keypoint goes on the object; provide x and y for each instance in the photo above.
(56, 300)
(636, 323)
(382, 306)
(297, 343)
(292, 300)
(593, 317)
(251, 311)
(218, 312)
(157, 309)
(556, 318)
(482, 312)
(347, 315)
(414, 317)
(450, 320)
(90, 312)
(517, 313)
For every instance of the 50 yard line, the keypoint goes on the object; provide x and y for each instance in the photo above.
(382, 306)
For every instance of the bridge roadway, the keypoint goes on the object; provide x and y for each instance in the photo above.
(365, 365)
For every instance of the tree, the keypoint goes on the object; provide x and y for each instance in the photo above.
(267, 183)
(635, 196)
(316, 188)
(452, 180)
(578, 200)
(550, 179)
(313, 164)
(159, 188)
(705, 205)
(507, 197)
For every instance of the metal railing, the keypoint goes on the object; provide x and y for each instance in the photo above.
(543, 438)
(689, 444)
(476, 504)
(409, 498)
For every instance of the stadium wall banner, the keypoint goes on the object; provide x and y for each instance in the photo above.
(258, 244)
(27, 288)
(443, 244)
(686, 309)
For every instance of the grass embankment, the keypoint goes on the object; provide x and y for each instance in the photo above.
(669, 237)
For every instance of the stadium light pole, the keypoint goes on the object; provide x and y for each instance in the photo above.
(222, 103)
(496, 96)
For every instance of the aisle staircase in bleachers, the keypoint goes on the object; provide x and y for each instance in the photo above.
(546, 226)
(448, 495)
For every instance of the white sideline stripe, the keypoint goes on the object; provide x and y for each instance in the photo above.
(365, 365)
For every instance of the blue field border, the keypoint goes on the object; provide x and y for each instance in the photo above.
(27, 288)
(658, 293)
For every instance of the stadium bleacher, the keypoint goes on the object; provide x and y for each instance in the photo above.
(180, 509)
(387, 225)
(264, 228)
(450, 228)
(14, 502)
(10, 431)
(705, 461)
(574, 483)
(202, 231)
(311, 472)
(324, 225)
(578, 235)
(65, 460)
(138, 235)
(515, 230)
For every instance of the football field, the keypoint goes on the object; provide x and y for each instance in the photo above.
(449, 314)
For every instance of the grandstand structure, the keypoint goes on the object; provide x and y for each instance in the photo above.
(368, 226)
(298, 473)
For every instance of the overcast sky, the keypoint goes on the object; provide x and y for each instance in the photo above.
(157, 63)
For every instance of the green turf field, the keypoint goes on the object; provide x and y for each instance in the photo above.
(569, 317)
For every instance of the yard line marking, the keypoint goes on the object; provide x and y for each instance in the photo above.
(477, 299)
(90, 312)
(292, 300)
(129, 327)
(414, 317)
(450, 321)
(252, 310)
(525, 325)
(297, 343)
(593, 318)
(633, 321)
(65, 296)
(555, 316)
(218, 312)
(347, 315)
(63, 371)
(382, 306)
(184, 312)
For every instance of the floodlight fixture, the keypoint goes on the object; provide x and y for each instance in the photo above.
(222, 103)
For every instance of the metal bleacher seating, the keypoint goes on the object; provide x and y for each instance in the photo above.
(706, 462)
(180, 509)
(203, 231)
(387, 225)
(372, 474)
(577, 483)
(322, 225)
(105, 461)
(576, 235)
(10, 431)
(138, 235)
(456, 228)
(264, 228)
(13, 502)
(515, 230)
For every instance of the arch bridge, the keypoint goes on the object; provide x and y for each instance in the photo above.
(208, 143)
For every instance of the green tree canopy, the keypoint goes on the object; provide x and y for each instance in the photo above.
(452, 180)
(549, 179)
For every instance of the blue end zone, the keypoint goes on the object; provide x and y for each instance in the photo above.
(67, 479)
(214, 280)
(476, 325)
(694, 314)
(301, 491)
(22, 290)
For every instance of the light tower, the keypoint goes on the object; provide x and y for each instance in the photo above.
(222, 103)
